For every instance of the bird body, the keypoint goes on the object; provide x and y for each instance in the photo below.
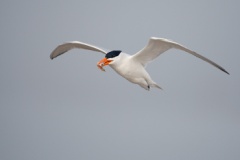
(132, 67)
(133, 71)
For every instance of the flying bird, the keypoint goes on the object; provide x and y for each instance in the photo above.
(132, 67)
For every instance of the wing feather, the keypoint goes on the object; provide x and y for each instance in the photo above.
(157, 46)
(74, 44)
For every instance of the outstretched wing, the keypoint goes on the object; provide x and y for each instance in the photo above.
(156, 46)
(74, 44)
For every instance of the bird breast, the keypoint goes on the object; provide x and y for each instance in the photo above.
(129, 69)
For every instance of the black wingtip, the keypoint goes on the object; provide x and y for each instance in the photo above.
(52, 57)
(224, 71)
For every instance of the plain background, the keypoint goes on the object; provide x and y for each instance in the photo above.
(69, 109)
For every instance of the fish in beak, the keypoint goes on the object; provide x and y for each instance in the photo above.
(103, 63)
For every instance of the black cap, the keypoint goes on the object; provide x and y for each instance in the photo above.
(113, 54)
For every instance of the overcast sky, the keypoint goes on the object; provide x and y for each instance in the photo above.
(67, 108)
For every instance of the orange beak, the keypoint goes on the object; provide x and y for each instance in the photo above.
(103, 63)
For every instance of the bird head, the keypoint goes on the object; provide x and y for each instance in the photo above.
(109, 58)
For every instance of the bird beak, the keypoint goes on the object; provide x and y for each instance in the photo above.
(102, 63)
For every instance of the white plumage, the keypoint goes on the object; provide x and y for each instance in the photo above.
(132, 67)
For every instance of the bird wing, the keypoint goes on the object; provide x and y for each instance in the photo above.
(74, 44)
(156, 46)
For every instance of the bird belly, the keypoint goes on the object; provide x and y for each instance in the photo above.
(134, 73)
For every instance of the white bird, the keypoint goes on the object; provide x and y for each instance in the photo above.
(132, 67)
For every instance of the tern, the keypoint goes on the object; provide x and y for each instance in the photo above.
(132, 67)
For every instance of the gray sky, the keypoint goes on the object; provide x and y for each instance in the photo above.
(68, 109)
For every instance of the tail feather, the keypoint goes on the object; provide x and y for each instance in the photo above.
(156, 86)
